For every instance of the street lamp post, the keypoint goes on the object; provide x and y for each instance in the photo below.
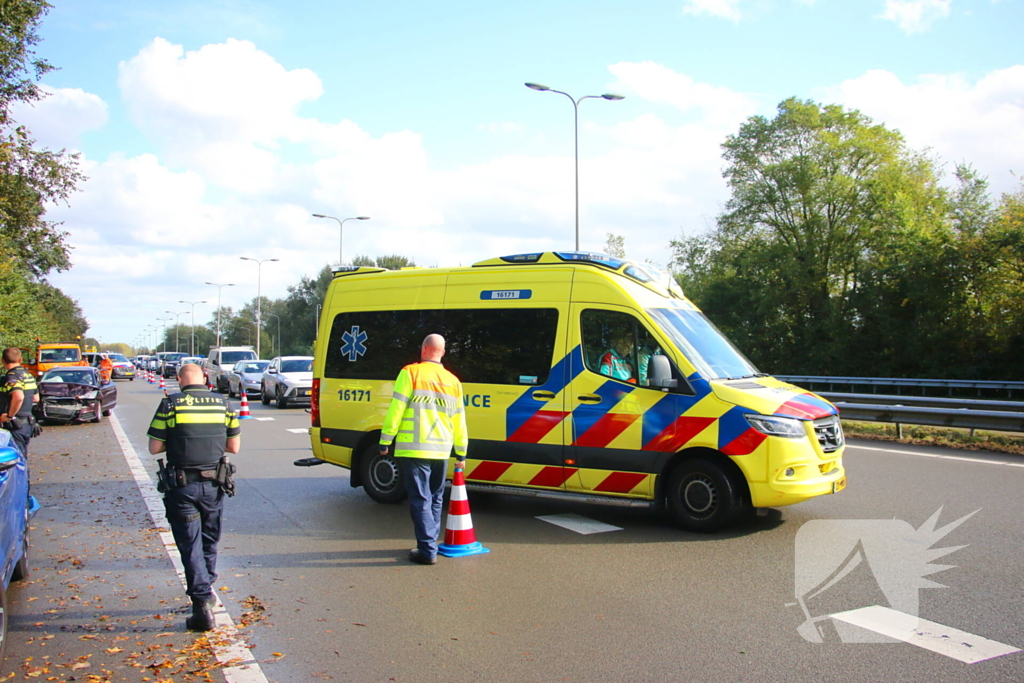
(193, 305)
(278, 334)
(177, 321)
(259, 277)
(576, 132)
(163, 327)
(341, 230)
(219, 288)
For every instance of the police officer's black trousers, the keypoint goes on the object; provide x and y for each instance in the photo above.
(22, 436)
(194, 513)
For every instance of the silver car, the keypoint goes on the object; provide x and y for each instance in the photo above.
(287, 380)
(246, 376)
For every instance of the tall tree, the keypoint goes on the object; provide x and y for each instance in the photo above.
(814, 191)
(615, 245)
(29, 177)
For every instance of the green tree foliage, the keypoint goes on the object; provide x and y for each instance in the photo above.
(615, 245)
(29, 177)
(389, 261)
(840, 253)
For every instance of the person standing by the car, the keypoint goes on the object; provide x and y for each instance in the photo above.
(17, 394)
(425, 420)
(106, 368)
(195, 427)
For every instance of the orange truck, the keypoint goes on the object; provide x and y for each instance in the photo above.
(53, 355)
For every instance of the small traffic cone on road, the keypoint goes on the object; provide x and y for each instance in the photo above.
(149, 376)
(162, 385)
(459, 537)
(243, 410)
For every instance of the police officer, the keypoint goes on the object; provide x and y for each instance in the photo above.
(425, 420)
(195, 427)
(17, 394)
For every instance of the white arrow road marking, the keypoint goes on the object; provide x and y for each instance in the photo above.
(966, 647)
(304, 430)
(579, 524)
(239, 665)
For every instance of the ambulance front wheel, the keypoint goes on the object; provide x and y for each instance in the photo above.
(702, 496)
(381, 477)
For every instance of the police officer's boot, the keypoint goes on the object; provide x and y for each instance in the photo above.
(202, 615)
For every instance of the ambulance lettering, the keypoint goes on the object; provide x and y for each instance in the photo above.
(477, 400)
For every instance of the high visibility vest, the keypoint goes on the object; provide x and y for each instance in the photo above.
(18, 379)
(196, 425)
(427, 417)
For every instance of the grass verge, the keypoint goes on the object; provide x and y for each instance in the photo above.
(980, 440)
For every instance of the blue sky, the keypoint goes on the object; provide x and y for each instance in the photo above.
(212, 130)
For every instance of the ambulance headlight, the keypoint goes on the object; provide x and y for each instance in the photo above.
(773, 425)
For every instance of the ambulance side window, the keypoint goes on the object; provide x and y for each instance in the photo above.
(500, 345)
(377, 344)
(617, 345)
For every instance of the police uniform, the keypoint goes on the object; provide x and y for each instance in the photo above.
(195, 425)
(425, 420)
(19, 379)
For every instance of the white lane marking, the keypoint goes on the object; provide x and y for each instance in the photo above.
(966, 647)
(264, 419)
(578, 523)
(936, 455)
(230, 650)
(304, 430)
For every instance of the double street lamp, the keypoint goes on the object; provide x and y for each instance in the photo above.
(576, 130)
(163, 326)
(219, 288)
(177, 320)
(341, 230)
(259, 276)
(193, 305)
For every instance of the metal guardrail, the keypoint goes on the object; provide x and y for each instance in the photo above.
(950, 386)
(1003, 416)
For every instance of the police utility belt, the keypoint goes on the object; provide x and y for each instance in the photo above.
(170, 477)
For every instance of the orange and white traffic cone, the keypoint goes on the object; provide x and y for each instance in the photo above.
(162, 385)
(149, 376)
(243, 410)
(459, 537)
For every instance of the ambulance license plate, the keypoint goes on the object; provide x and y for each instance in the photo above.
(839, 485)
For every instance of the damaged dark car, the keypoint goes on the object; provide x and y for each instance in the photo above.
(76, 394)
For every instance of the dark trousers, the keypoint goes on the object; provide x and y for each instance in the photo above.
(194, 513)
(424, 485)
(22, 435)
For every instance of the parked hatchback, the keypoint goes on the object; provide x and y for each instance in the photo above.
(246, 376)
(287, 380)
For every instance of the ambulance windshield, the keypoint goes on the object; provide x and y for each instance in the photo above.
(711, 353)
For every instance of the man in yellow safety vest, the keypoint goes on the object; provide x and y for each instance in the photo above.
(425, 420)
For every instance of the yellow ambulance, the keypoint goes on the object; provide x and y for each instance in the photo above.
(586, 377)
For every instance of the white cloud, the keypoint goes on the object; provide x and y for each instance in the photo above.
(59, 119)
(221, 109)
(981, 123)
(656, 83)
(915, 16)
(724, 9)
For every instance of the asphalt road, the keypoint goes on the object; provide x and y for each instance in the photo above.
(645, 602)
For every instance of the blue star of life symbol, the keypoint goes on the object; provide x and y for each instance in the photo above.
(354, 345)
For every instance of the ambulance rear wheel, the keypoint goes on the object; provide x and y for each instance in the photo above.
(702, 496)
(381, 477)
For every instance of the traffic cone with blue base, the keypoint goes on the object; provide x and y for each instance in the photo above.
(243, 410)
(459, 537)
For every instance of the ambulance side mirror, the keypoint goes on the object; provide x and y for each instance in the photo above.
(659, 372)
